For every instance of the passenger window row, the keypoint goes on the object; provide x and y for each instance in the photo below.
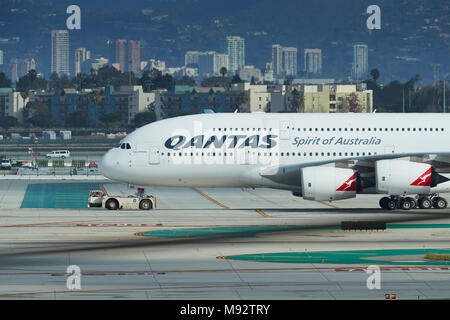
(270, 154)
(337, 129)
(242, 129)
(372, 129)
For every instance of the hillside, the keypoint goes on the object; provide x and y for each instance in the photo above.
(415, 33)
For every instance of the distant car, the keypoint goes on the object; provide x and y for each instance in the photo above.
(59, 154)
(5, 164)
(93, 164)
(35, 154)
(17, 163)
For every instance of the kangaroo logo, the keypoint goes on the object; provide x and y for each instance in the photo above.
(349, 185)
(423, 180)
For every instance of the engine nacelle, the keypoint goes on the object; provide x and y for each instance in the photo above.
(400, 177)
(328, 183)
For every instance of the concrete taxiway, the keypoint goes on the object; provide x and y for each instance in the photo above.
(204, 243)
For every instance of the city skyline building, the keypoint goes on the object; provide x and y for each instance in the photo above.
(191, 58)
(207, 63)
(134, 56)
(221, 60)
(128, 55)
(14, 70)
(290, 61)
(121, 54)
(26, 65)
(284, 60)
(60, 52)
(360, 61)
(236, 53)
(277, 59)
(110, 51)
(81, 55)
(20, 67)
(313, 61)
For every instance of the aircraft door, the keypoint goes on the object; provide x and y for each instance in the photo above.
(285, 130)
(243, 155)
(153, 155)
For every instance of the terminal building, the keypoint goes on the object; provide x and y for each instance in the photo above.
(181, 100)
(127, 100)
(12, 103)
(244, 97)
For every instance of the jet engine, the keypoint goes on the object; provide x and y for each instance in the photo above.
(328, 183)
(400, 177)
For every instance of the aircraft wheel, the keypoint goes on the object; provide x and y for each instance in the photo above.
(145, 204)
(405, 204)
(391, 204)
(383, 202)
(440, 203)
(112, 204)
(425, 203)
(413, 202)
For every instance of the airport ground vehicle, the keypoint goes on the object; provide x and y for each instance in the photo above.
(139, 200)
(6, 164)
(59, 154)
(95, 198)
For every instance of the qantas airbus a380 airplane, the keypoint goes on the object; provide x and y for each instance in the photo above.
(324, 157)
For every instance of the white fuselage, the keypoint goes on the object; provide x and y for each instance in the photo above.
(245, 150)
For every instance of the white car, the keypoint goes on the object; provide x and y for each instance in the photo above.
(59, 154)
(6, 164)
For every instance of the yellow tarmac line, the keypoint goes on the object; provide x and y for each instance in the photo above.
(328, 204)
(262, 213)
(210, 199)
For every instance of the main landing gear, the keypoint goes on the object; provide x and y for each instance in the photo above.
(406, 203)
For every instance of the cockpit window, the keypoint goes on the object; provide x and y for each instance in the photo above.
(124, 146)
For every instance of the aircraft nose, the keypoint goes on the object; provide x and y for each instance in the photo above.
(106, 164)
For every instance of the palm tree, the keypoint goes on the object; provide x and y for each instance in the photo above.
(223, 71)
(375, 73)
(298, 101)
(243, 99)
(95, 96)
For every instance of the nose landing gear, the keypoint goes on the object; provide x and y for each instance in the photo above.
(407, 203)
